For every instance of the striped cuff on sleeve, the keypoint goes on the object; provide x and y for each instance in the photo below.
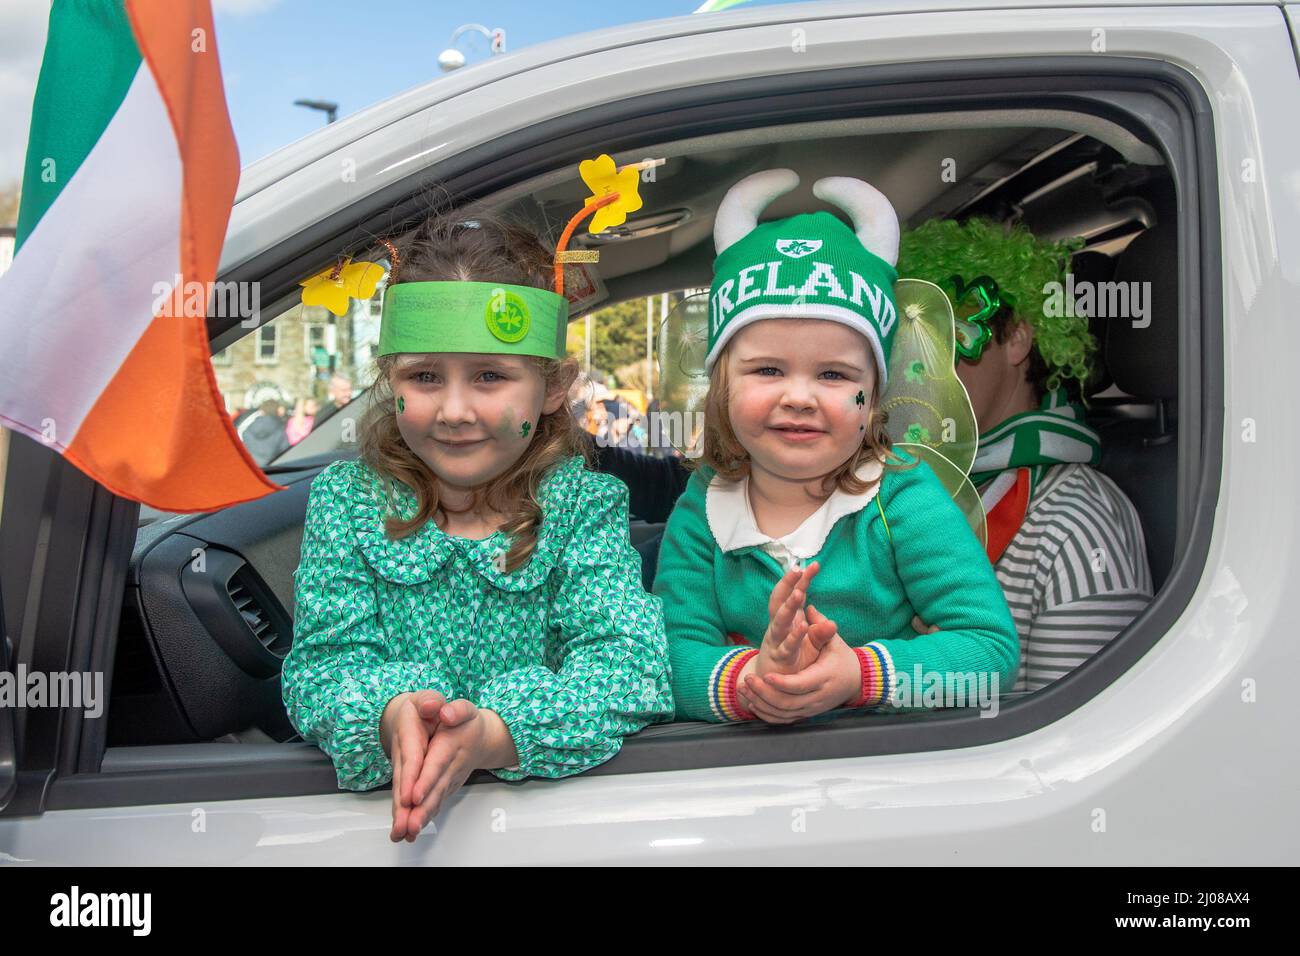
(722, 685)
(877, 675)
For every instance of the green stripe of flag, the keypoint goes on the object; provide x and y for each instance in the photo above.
(91, 58)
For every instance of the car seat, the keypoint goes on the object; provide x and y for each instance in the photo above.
(1140, 452)
(649, 551)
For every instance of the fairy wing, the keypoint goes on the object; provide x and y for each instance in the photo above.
(929, 413)
(682, 382)
(925, 400)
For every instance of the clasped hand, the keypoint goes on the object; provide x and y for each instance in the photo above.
(434, 746)
(803, 666)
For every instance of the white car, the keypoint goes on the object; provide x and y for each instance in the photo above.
(1164, 133)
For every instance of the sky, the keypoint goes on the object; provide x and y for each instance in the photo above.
(349, 52)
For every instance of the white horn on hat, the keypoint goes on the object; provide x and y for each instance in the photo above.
(874, 219)
(740, 208)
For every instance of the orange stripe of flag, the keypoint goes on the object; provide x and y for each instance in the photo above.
(160, 432)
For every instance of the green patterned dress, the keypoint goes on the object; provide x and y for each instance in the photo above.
(568, 649)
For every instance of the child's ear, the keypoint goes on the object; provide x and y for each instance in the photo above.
(557, 393)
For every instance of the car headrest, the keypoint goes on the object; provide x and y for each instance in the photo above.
(1095, 267)
(1142, 352)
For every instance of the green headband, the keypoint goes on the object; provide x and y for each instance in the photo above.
(492, 317)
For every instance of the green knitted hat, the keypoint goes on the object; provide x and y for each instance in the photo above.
(809, 265)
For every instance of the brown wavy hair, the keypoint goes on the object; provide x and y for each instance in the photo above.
(487, 248)
(723, 452)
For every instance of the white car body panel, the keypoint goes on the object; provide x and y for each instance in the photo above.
(1170, 764)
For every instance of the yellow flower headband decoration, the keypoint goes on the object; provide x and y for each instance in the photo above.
(613, 195)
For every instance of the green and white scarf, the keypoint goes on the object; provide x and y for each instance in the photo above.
(1053, 435)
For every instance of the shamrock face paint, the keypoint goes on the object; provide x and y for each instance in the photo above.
(507, 427)
(401, 404)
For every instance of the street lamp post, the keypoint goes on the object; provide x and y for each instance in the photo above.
(452, 59)
(331, 110)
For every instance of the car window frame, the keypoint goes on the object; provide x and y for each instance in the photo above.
(1161, 103)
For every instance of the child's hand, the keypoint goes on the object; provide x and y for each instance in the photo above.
(408, 722)
(467, 738)
(790, 644)
(831, 680)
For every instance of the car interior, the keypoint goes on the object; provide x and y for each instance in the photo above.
(199, 649)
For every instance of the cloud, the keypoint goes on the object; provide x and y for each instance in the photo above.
(22, 43)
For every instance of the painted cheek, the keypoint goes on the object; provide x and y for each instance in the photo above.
(507, 428)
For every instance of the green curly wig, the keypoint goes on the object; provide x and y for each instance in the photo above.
(1022, 265)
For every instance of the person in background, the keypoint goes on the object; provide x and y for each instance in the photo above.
(1065, 541)
(262, 433)
(340, 394)
(302, 421)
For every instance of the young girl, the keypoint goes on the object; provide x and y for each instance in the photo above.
(468, 597)
(795, 561)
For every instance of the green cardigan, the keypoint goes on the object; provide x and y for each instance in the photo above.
(910, 552)
(568, 649)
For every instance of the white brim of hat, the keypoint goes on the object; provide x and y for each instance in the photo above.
(830, 313)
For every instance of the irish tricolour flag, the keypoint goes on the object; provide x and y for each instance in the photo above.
(131, 170)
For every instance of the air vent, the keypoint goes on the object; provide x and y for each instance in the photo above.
(239, 611)
(249, 610)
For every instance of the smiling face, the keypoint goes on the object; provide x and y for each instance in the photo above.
(800, 395)
(469, 416)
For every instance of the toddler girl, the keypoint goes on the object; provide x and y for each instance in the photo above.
(800, 498)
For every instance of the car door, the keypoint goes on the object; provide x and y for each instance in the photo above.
(1046, 780)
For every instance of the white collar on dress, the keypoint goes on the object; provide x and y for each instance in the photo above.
(731, 519)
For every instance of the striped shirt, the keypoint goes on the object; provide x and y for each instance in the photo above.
(1075, 574)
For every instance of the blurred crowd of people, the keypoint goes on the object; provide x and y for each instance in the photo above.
(616, 421)
(268, 430)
